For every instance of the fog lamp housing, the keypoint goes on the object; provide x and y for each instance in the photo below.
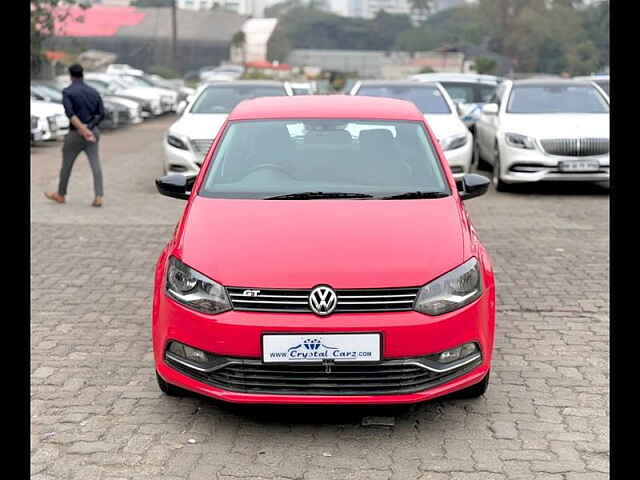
(188, 353)
(458, 353)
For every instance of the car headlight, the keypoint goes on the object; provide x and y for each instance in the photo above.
(194, 290)
(451, 291)
(454, 141)
(519, 141)
(177, 142)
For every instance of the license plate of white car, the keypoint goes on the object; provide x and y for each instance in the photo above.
(315, 347)
(579, 166)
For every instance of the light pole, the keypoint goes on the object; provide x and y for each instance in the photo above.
(174, 36)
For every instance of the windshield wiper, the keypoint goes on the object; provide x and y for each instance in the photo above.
(314, 195)
(418, 194)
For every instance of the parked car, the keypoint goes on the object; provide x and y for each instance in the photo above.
(36, 132)
(176, 85)
(52, 121)
(601, 80)
(188, 139)
(302, 88)
(136, 105)
(324, 256)
(220, 73)
(439, 110)
(545, 130)
(115, 115)
(469, 91)
(168, 97)
(122, 68)
(151, 108)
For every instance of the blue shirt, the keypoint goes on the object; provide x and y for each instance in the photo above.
(84, 102)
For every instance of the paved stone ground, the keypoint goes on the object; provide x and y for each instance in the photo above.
(97, 412)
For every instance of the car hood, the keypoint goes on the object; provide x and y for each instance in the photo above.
(444, 126)
(559, 125)
(46, 108)
(303, 243)
(199, 125)
(146, 93)
(122, 101)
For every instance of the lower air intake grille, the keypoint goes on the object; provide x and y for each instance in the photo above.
(383, 378)
(297, 300)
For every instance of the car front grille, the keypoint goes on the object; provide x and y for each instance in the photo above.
(201, 147)
(576, 147)
(53, 123)
(297, 300)
(380, 378)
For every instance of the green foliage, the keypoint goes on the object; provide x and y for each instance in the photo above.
(44, 15)
(484, 65)
(426, 70)
(308, 27)
(536, 35)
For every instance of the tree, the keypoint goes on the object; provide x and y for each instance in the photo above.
(238, 41)
(421, 7)
(45, 15)
(485, 65)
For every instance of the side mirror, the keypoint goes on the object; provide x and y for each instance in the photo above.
(490, 109)
(181, 106)
(473, 185)
(175, 186)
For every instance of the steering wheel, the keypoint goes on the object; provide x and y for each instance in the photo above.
(272, 166)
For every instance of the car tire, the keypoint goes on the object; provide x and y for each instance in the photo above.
(499, 184)
(168, 389)
(477, 390)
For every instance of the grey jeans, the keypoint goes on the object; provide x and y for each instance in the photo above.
(74, 143)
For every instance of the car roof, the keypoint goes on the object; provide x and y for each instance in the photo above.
(551, 81)
(326, 106)
(257, 83)
(457, 77)
(399, 83)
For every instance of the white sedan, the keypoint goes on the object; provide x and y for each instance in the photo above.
(189, 138)
(439, 111)
(545, 130)
(52, 122)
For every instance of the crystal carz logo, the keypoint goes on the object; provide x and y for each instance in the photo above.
(315, 349)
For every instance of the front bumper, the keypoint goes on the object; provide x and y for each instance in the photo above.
(459, 159)
(181, 162)
(519, 165)
(405, 335)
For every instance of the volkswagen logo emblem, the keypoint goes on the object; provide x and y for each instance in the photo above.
(323, 300)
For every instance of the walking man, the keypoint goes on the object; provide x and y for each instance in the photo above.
(83, 105)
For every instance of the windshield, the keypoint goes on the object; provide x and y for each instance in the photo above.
(427, 99)
(101, 87)
(266, 158)
(224, 98)
(604, 85)
(556, 99)
(46, 91)
(134, 81)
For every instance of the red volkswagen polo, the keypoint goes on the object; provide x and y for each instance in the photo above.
(324, 256)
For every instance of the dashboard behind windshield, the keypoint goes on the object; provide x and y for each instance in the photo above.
(265, 158)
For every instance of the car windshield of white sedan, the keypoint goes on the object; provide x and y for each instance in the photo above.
(324, 158)
(556, 99)
(224, 98)
(427, 99)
